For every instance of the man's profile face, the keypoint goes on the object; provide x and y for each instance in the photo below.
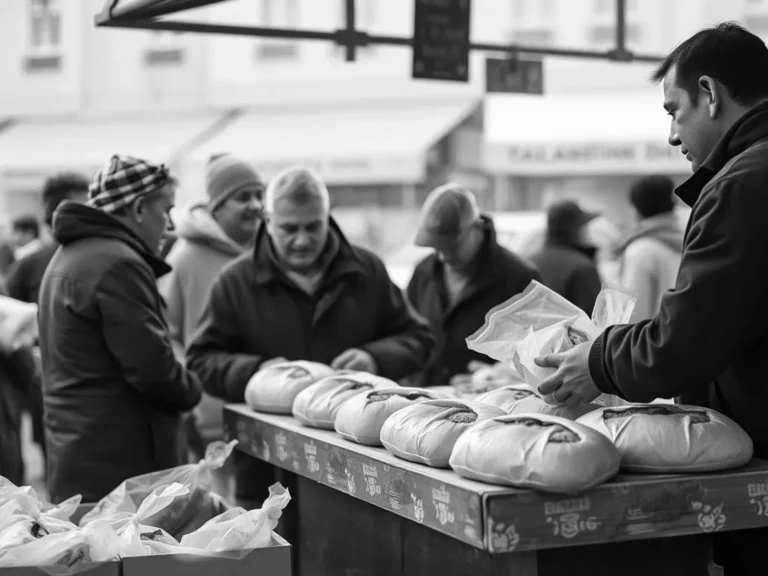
(692, 127)
(298, 231)
(156, 220)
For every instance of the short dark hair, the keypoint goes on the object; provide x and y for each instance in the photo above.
(728, 53)
(653, 195)
(26, 223)
(60, 187)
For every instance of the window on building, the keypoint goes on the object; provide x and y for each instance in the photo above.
(546, 8)
(757, 24)
(44, 46)
(165, 49)
(606, 35)
(519, 8)
(278, 14)
(532, 37)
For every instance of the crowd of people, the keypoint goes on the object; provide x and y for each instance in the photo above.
(142, 340)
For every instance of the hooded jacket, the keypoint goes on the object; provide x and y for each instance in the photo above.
(197, 257)
(649, 257)
(113, 390)
(711, 332)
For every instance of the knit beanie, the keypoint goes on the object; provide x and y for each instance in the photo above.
(225, 176)
(653, 195)
(123, 180)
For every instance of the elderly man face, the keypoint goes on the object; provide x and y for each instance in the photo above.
(297, 208)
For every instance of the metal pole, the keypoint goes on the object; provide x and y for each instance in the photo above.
(621, 26)
(351, 47)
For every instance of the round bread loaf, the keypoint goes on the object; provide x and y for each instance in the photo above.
(275, 388)
(535, 451)
(426, 432)
(672, 438)
(318, 404)
(536, 405)
(506, 396)
(361, 417)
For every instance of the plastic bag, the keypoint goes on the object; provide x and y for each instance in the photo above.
(18, 324)
(185, 514)
(21, 519)
(96, 542)
(539, 321)
(242, 530)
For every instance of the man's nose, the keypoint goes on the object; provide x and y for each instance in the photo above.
(171, 226)
(674, 139)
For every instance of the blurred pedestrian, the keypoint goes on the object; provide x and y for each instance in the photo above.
(711, 332)
(566, 262)
(113, 389)
(26, 235)
(466, 276)
(26, 275)
(649, 253)
(303, 293)
(210, 236)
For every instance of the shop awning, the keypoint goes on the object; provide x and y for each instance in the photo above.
(86, 144)
(579, 134)
(383, 145)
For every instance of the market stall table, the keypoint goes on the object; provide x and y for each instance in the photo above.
(360, 510)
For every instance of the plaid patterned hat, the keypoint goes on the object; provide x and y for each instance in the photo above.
(124, 180)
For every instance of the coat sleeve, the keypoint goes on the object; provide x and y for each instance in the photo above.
(137, 336)
(639, 277)
(170, 289)
(406, 340)
(16, 283)
(714, 313)
(214, 351)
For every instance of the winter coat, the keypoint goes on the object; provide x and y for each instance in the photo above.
(113, 391)
(197, 257)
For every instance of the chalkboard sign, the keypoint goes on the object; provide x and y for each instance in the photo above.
(514, 76)
(441, 40)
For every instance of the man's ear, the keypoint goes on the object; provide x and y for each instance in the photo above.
(714, 93)
(137, 208)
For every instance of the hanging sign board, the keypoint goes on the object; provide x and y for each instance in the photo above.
(441, 40)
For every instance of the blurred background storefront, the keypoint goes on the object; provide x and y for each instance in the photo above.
(381, 139)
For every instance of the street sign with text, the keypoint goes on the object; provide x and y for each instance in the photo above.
(441, 40)
(513, 75)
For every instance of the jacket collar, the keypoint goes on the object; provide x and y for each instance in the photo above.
(73, 221)
(745, 132)
(344, 261)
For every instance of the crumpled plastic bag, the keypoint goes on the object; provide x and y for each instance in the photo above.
(186, 513)
(241, 530)
(77, 548)
(22, 520)
(539, 321)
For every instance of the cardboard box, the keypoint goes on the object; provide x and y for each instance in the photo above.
(273, 560)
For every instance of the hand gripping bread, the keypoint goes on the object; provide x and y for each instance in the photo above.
(535, 451)
(426, 432)
(670, 438)
(274, 389)
(506, 396)
(361, 417)
(316, 406)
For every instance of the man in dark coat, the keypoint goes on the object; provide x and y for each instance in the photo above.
(711, 334)
(467, 276)
(566, 262)
(302, 293)
(113, 390)
(26, 274)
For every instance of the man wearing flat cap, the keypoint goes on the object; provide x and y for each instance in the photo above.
(113, 389)
(468, 274)
(567, 259)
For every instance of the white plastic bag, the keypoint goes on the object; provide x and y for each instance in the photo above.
(22, 521)
(73, 549)
(185, 514)
(243, 531)
(539, 321)
(18, 324)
